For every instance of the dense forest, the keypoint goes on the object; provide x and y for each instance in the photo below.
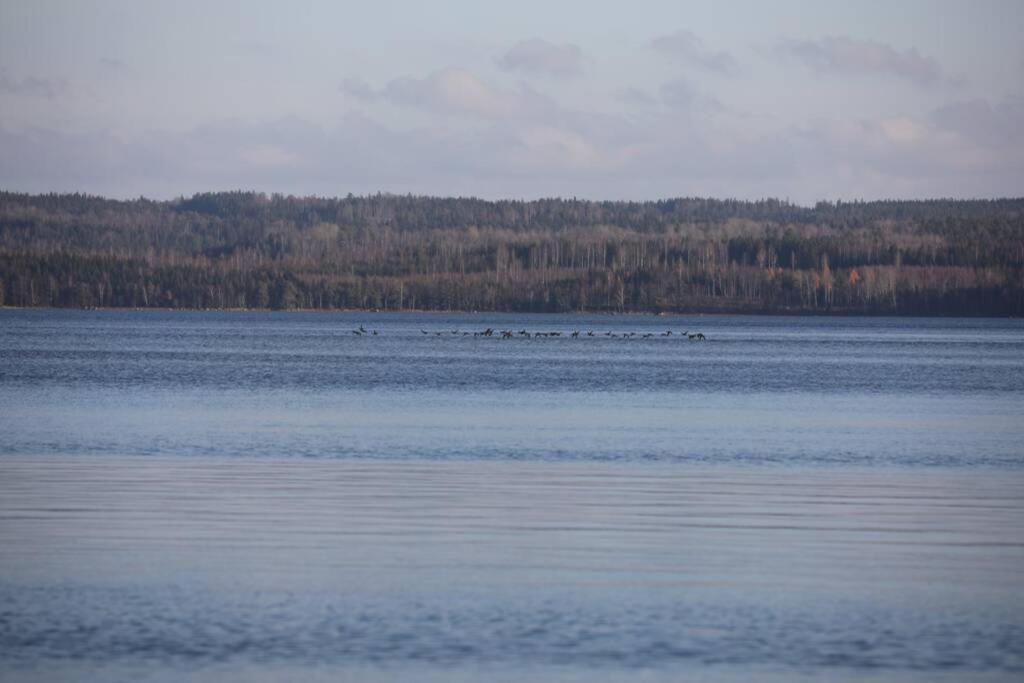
(388, 252)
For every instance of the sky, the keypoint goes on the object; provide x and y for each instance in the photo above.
(637, 100)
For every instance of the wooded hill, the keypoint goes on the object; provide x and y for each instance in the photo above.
(387, 252)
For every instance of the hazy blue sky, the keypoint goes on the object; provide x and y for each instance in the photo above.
(812, 100)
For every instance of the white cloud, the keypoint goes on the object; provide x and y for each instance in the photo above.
(454, 92)
(687, 47)
(999, 125)
(536, 56)
(678, 93)
(918, 155)
(903, 130)
(845, 55)
(32, 86)
(451, 91)
(681, 96)
(652, 153)
(559, 148)
(634, 96)
(358, 89)
(113, 64)
(268, 156)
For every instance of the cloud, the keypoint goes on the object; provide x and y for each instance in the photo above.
(536, 56)
(553, 146)
(850, 56)
(910, 156)
(560, 156)
(254, 48)
(653, 153)
(681, 96)
(453, 92)
(1000, 125)
(358, 89)
(268, 156)
(634, 96)
(32, 86)
(678, 93)
(688, 48)
(903, 130)
(113, 64)
(36, 158)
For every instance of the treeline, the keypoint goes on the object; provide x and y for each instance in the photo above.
(250, 250)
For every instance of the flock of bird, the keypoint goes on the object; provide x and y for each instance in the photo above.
(526, 334)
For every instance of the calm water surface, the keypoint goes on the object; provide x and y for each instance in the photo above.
(227, 497)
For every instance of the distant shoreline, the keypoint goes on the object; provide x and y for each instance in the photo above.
(610, 314)
(688, 256)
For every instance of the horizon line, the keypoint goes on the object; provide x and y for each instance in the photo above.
(272, 195)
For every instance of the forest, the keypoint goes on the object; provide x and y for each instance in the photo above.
(249, 250)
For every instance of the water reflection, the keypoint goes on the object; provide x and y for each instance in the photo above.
(190, 562)
(270, 497)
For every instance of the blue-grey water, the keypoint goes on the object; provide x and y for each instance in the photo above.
(245, 496)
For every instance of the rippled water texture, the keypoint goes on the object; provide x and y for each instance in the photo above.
(236, 497)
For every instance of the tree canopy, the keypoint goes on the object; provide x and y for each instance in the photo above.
(251, 250)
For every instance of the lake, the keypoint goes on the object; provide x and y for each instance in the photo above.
(267, 496)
